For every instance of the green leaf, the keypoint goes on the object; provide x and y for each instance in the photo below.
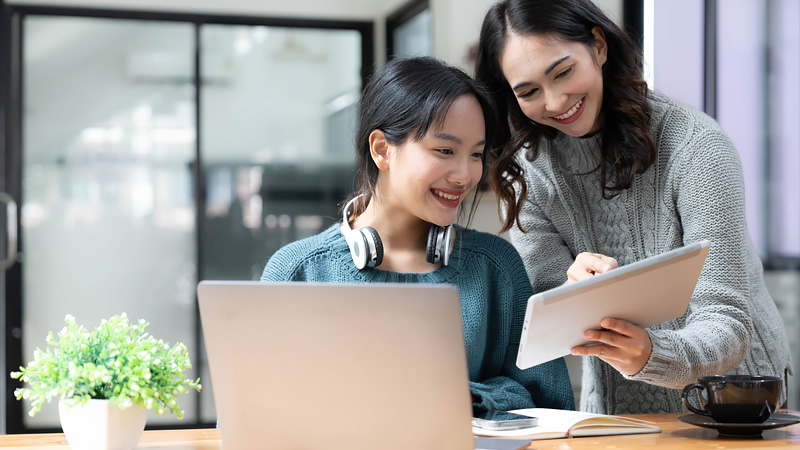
(116, 360)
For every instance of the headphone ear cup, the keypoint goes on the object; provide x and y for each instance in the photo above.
(359, 247)
(432, 248)
(447, 244)
(375, 250)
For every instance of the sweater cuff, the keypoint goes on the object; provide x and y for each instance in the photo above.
(500, 393)
(660, 365)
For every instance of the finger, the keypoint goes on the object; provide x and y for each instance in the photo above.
(615, 356)
(595, 262)
(577, 272)
(601, 351)
(609, 338)
(611, 262)
(622, 327)
(629, 350)
(585, 266)
(600, 263)
(626, 354)
(586, 350)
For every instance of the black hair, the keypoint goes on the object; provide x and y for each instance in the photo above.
(626, 144)
(404, 99)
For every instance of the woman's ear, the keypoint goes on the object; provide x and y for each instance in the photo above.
(379, 149)
(600, 46)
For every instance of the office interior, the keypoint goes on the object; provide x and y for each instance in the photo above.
(147, 145)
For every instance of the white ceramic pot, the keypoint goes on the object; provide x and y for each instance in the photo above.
(101, 425)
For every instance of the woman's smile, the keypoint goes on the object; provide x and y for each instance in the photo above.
(573, 114)
(448, 198)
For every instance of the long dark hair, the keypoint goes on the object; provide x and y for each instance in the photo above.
(626, 144)
(404, 99)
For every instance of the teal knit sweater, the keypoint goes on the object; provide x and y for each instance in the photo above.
(494, 289)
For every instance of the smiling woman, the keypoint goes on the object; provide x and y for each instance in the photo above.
(599, 172)
(424, 181)
(423, 130)
(560, 87)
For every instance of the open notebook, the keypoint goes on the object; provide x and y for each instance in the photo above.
(556, 423)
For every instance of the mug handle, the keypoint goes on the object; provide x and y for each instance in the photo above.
(685, 396)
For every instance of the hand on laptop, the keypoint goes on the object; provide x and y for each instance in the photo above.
(623, 345)
(588, 265)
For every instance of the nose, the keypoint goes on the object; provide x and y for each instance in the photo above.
(555, 101)
(461, 174)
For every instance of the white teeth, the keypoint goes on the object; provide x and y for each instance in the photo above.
(569, 113)
(446, 196)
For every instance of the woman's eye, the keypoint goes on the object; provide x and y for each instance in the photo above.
(445, 151)
(564, 73)
(478, 155)
(527, 94)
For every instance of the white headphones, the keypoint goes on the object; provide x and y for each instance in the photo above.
(366, 247)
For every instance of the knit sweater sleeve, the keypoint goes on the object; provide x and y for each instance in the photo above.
(286, 264)
(546, 385)
(708, 190)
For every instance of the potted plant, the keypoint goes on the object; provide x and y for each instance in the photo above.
(106, 379)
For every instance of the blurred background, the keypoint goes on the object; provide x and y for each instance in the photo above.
(146, 145)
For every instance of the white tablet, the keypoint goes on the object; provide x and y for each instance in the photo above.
(646, 293)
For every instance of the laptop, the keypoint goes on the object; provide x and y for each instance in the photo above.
(646, 293)
(337, 366)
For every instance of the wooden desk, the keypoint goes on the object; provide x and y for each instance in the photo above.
(675, 435)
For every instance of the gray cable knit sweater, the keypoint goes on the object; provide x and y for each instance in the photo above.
(694, 191)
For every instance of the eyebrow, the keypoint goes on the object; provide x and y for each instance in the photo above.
(554, 65)
(546, 72)
(450, 137)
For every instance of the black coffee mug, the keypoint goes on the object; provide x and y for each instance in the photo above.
(736, 398)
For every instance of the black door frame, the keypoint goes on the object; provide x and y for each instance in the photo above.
(398, 18)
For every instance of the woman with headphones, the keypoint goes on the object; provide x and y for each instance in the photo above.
(423, 131)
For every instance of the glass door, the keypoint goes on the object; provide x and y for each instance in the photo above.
(108, 207)
(409, 30)
(115, 131)
(277, 121)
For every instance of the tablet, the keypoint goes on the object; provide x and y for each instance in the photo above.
(646, 293)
